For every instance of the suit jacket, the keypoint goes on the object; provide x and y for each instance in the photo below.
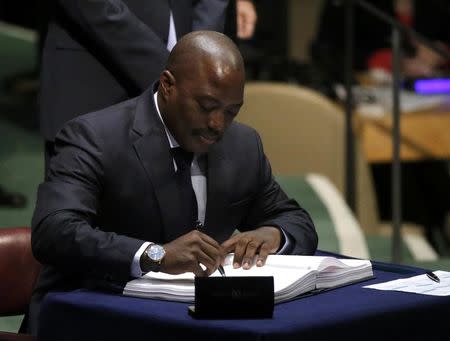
(111, 187)
(98, 53)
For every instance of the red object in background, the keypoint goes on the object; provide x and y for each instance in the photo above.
(380, 59)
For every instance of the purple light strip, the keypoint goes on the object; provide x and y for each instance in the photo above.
(432, 86)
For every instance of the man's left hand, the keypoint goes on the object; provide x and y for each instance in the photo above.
(258, 243)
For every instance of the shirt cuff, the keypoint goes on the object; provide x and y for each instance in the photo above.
(287, 243)
(136, 270)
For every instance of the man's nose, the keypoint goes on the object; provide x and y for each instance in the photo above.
(217, 120)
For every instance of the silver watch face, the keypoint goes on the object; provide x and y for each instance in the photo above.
(156, 252)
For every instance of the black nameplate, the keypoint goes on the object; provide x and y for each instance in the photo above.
(233, 297)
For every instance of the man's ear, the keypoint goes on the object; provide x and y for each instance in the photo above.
(166, 83)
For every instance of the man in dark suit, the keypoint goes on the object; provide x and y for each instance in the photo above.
(98, 53)
(112, 205)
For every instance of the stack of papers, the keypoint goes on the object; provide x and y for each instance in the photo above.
(377, 101)
(420, 284)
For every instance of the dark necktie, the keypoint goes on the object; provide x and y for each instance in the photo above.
(188, 213)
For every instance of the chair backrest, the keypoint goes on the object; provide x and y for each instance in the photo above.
(18, 270)
(5, 336)
(304, 132)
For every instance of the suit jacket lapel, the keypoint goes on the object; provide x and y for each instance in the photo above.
(153, 151)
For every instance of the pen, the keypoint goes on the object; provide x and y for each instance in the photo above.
(433, 276)
(199, 227)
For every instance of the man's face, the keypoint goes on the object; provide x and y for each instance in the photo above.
(199, 107)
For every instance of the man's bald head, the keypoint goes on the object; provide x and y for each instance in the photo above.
(201, 48)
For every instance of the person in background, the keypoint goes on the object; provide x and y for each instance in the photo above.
(246, 18)
(98, 53)
(372, 37)
(130, 184)
(240, 20)
(418, 60)
(425, 185)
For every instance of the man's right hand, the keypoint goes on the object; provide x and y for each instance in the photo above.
(185, 254)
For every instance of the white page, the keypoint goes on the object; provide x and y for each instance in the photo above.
(298, 265)
(310, 262)
(293, 275)
(283, 277)
(420, 284)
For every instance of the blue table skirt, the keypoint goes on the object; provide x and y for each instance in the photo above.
(348, 312)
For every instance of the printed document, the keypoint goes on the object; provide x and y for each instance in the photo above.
(420, 284)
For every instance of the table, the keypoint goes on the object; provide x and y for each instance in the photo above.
(346, 313)
(425, 135)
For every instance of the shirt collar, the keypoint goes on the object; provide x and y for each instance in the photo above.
(172, 141)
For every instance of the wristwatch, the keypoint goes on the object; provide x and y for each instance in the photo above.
(155, 254)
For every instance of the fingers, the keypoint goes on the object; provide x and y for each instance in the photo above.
(208, 240)
(262, 256)
(229, 245)
(186, 253)
(198, 271)
(208, 252)
(245, 29)
(253, 246)
(213, 251)
(245, 252)
(245, 248)
(210, 262)
(211, 247)
(246, 19)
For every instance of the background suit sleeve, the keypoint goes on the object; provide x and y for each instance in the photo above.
(210, 15)
(116, 36)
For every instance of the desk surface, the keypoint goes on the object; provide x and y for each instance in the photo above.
(349, 312)
(424, 135)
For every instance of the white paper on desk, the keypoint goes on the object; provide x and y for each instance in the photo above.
(420, 284)
(377, 101)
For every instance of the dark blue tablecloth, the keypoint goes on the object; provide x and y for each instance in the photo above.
(349, 312)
